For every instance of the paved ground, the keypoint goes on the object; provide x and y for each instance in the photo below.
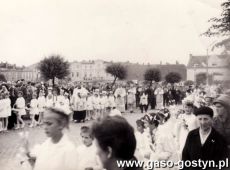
(10, 142)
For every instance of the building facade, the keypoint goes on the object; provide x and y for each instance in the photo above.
(89, 71)
(216, 67)
(13, 73)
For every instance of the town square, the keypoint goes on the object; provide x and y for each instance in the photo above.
(114, 85)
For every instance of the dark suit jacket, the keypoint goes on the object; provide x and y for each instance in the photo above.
(214, 148)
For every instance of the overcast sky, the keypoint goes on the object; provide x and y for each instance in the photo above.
(144, 31)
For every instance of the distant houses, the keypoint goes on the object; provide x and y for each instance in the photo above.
(216, 66)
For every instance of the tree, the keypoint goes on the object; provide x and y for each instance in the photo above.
(152, 74)
(54, 67)
(2, 77)
(173, 77)
(221, 26)
(201, 78)
(117, 71)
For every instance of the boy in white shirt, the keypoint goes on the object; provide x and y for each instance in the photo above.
(87, 152)
(57, 152)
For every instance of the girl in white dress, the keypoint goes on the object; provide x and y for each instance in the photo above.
(1, 112)
(49, 100)
(96, 106)
(7, 110)
(60, 99)
(89, 106)
(57, 152)
(159, 97)
(41, 106)
(103, 100)
(20, 106)
(143, 143)
(111, 100)
(66, 104)
(34, 110)
(165, 145)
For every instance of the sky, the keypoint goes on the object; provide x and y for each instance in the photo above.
(143, 31)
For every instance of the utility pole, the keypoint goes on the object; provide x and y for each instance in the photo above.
(207, 58)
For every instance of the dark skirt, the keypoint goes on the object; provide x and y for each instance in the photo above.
(79, 115)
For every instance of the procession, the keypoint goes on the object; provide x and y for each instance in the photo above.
(167, 114)
(115, 85)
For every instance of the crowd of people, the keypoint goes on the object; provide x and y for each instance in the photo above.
(182, 123)
(26, 100)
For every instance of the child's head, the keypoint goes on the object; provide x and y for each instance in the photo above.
(140, 126)
(86, 136)
(55, 121)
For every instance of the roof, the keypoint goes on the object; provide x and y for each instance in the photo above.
(213, 61)
(197, 61)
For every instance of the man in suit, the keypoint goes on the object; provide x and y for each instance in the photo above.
(204, 143)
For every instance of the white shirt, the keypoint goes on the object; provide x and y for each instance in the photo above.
(59, 156)
(87, 157)
(203, 138)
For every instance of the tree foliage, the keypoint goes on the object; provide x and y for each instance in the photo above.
(221, 26)
(2, 78)
(118, 71)
(54, 67)
(201, 78)
(152, 74)
(173, 77)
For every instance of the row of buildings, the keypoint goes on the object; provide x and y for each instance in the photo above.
(215, 66)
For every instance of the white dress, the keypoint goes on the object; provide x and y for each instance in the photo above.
(111, 101)
(143, 146)
(49, 102)
(2, 108)
(20, 106)
(89, 103)
(34, 107)
(41, 103)
(159, 98)
(96, 103)
(8, 107)
(60, 101)
(59, 156)
(165, 145)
